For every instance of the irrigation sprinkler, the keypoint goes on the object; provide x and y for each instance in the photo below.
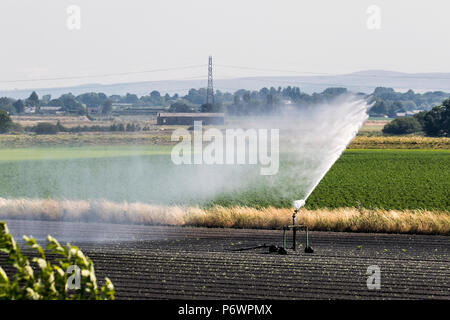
(297, 205)
(282, 250)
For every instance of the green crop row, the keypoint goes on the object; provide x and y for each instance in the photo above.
(388, 179)
(384, 179)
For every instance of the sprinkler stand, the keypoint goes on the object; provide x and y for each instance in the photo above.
(294, 228)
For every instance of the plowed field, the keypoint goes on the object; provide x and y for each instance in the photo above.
(155, 262)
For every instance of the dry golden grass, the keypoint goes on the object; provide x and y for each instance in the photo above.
(69, 121)
(161, 135)
(404, 142)
(84, 139)
(377, 123)
(104, 211)
(75, 121)
(342, 219)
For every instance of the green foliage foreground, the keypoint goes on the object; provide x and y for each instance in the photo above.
(48, 282)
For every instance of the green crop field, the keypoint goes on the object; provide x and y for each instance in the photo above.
(398, 179)
(384, 179)
(389, 179)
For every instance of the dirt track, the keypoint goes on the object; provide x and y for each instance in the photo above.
(152, 262)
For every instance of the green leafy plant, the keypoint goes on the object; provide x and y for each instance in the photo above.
(48, 281)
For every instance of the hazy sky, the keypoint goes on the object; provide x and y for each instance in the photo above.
(118, 36)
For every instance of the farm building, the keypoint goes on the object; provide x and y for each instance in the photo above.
(138, 111)
(189, 118)
(407, 113)
(30, 110)
(49, 109)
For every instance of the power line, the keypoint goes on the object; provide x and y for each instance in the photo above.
(103, 75)
(400, 76)
(264, 69)
(266, 79)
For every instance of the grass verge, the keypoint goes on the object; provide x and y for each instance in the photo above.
(162, 137)
(340, 219)
(400, 142)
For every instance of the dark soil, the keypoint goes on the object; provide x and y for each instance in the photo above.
(154, 262)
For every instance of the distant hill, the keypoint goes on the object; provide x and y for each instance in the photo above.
(363, 81)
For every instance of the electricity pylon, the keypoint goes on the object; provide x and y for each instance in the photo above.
(210, 89)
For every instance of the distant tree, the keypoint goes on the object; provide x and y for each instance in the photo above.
(270, 104)
(383, 90)
(209, 107)
(46, 98)
(131, 98)
(421, 117)
(115, 98)
(436, 122)
(236, 99)
(446, 117)
(5, 122)
(179, 106)
(55, 103)
(409, 95)
(107, 106)
(6, 105)
(409, 105)
(264, 92)
(92, 99)
(71, 105)
(4, 101)
(380, 108)
(196, 96)
(33, 99)
(155, 95)
(398, 106)
(236, 107)
(19, 106)
(246, 97)
(432, 122)
(206, 107)
(402, 126)
(386, 93)
(334, 91)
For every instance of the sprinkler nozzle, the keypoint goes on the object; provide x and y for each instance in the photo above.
(297, 204)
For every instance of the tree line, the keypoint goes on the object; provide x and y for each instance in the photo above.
(434, 123)
(386, 101)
